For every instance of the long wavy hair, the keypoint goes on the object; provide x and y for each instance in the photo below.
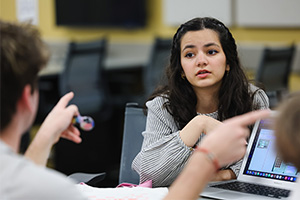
(234, 98)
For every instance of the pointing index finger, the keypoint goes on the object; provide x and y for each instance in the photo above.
(250, 118)
(63, 102)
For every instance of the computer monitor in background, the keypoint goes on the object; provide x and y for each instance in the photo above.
(101, 13)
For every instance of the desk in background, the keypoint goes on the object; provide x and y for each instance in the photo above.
(127, 55)
(119, 56)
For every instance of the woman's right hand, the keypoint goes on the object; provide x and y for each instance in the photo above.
(198, 125)
(208, 123)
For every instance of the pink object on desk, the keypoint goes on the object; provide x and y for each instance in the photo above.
(147, 184)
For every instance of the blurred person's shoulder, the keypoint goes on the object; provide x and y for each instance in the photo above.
(22, 179)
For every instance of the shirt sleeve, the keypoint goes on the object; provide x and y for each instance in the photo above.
(163, 154)
(260, 98)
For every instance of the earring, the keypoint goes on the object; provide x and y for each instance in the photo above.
(182, 75)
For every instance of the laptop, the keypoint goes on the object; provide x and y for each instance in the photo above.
(262, 168)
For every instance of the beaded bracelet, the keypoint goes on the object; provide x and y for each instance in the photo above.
(210, 156)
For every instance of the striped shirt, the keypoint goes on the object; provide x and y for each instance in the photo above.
(164, 154)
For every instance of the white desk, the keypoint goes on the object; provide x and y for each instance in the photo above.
(94, 193)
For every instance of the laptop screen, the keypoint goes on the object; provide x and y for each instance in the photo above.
(263, 161)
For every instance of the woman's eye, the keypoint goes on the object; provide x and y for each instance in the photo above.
(212, 52)
(189, 55)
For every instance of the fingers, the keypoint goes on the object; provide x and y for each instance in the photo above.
(63, 102)
(233, 133)
(72, 134)
(74, 130)
(250, 118)
(73, 110)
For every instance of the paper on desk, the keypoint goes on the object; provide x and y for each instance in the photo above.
(125, 193)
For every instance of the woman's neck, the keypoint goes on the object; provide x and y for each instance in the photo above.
(207, 101)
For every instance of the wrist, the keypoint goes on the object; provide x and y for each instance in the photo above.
(210, 156)
(46, 135)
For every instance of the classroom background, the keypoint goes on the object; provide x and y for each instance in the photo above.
(129, 48)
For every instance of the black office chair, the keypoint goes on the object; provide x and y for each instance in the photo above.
(274, 71)
(84, 75)
(155, 69)
(134, 125)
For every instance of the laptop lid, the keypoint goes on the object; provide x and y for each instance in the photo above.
(262, 164)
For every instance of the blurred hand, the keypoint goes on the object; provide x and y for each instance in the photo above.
(228, 141)
(58, 123)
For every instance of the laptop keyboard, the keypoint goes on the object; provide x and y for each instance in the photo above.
(254, 189)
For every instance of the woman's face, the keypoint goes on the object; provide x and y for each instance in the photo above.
(202, 59)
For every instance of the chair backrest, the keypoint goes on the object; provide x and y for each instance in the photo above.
(159, 59)
(83, 74)
(275, 68)
(134, 125)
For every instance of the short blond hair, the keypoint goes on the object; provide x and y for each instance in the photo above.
(287, 129)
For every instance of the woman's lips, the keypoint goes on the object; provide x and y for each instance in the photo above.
(203, 73)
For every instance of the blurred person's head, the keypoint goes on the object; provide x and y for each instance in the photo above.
(23, 54)
(287, 129)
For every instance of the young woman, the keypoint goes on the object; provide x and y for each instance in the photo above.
(206, 85)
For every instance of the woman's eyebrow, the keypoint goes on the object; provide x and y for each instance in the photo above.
(188, 47)
(212, 44)
(206, 45)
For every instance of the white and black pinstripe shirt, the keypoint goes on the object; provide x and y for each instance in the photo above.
(163, 154)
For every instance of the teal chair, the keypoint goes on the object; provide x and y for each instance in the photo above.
(134, 125)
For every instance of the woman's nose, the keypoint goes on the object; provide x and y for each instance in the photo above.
(201, 60)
